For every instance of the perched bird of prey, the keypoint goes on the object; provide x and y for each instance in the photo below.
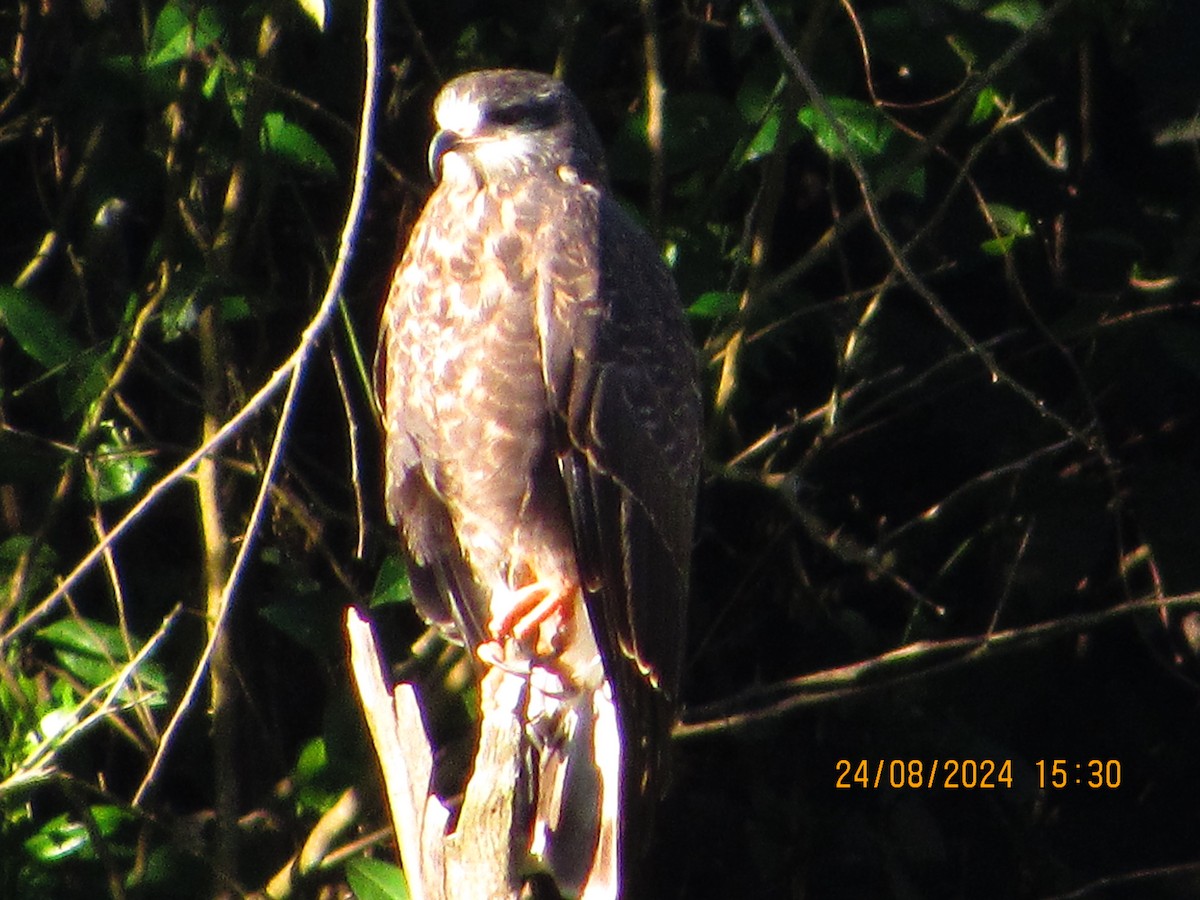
(542, 414)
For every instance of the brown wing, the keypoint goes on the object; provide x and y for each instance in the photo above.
(621, 375)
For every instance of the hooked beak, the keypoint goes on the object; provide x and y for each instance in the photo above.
(443, 142)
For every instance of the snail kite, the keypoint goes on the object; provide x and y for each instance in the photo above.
(542, 418)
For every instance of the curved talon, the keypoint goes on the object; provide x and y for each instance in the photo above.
(522, 613)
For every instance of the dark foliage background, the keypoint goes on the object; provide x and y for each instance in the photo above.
(952, 499)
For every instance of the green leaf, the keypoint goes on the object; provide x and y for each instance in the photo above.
(235, 308)
(181, 307)
(117, 468)
(315, 10)
(764, 140)
(372, 879)
(1013, 225)
(177, 37)
(294, 145)
(315, 791)
(312, 760)
(391, 584)
(998, 246)
(39, 570)
(211, 82)
(170, 24)
(987, 106)
(305, 614)
(85, 377)
(57, 840)
(912, 183)
(714, 305)
(867, 128)
(62, 837)
(1021, 14)
(95, 652)
(35, 329)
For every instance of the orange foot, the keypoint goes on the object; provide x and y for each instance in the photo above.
(521, 613)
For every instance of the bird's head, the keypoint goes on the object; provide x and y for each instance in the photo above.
(505, 123)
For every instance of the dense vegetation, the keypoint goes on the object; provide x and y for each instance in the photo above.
(947, 307)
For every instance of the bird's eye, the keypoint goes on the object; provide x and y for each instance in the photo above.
(529, 114)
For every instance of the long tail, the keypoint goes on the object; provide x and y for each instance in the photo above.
(576, 833)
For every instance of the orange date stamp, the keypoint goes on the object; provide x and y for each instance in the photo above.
(972, 774)
(920, 774)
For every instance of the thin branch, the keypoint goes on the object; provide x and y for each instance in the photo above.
(311, 334)
(293, 371)
(904, 664)
(918, 154)
(914, 281)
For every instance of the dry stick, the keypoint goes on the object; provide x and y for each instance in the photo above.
(477, 861)
(655, 100)
(222, 677)
(292, 370)
(316, 850)
(360, 509)
(364, 373)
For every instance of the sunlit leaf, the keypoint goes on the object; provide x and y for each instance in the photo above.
(765, 139)
(176, 36)
(714, 304)
(57, 839)
(315, 790)
(391, 584)
(294, 145)
(63, 837)
(312, 760)
(95, 652)
(1012, 224)
(1021, 14)
(117, 468)
(211, 82)
(35, 328)
(987, 106)
(372, 879)
(315, 10)
(866, 128)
